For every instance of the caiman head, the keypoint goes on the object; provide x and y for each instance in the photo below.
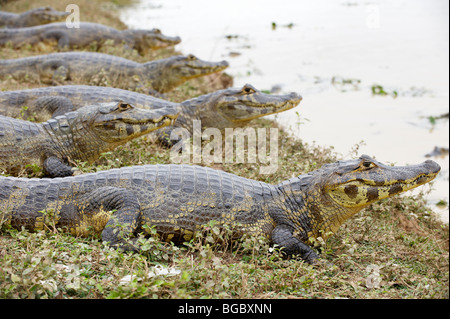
(115, 123)
(337, 191)
(151, 39)
(357, 184)
(236, 107)
(45, 15)
(176, 70)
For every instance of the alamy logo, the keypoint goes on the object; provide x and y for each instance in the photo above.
(259, 146)
(73, 19)
(373, 17)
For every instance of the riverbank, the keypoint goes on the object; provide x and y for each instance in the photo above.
(396, 248)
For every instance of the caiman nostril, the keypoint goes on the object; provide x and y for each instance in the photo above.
(296, 96)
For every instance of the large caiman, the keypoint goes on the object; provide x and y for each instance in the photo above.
(83, 67)
(59, 35)
(178, 200)
(31, 17)
(80, 135)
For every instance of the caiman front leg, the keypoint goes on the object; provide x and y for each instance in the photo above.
(282, 235)
(55, 167)
(60, 36)
(125, 218)
(54, 71)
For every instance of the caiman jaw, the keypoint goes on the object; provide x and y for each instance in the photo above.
(163, 41)
(140, 125)
(159, 122)
(168, 41)
(125, 122)
(361, 191)
(50, 15)
(255, 110)
(136, 128)
(250, 103)
(194, 67)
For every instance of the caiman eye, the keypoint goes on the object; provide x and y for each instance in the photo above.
(156, 31)
(368, 165)
(248, 90)
(124, 106)
(191, 57)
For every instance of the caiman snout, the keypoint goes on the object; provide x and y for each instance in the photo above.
(211, 67)
(174, 40)
(296, 97)
(432, 166)
(224, 64)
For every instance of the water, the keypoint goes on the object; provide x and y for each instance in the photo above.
(301, 46)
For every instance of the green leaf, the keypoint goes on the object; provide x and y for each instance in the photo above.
(15, 278)
(27, 271)
(185, 276)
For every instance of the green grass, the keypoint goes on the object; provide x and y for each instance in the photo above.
(400, 237)
(53, 264)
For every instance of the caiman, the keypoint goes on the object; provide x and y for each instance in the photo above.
(59, 35)
(178, 200)
(31, 18)
(159, 75)
(228, 108)
(80, 135)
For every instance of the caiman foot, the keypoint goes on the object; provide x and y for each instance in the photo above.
(283, 237)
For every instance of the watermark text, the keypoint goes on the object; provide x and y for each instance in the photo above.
(238, 142)
(73, 19)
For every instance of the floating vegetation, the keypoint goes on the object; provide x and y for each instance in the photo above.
(379, 90)
(234, 54)
(343, 84)
(231, 36)
(275, 25)
(442, 203)
(433, 119)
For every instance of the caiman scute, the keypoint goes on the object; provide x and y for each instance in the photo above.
(84, 67)
(80, 135)
(59, 35)
(178, 200)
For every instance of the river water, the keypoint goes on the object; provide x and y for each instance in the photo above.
(334, 53)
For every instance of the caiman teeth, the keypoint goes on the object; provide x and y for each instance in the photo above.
(412, 181)
(265, 110)
(163, 118)
(285, 106)
(165, 121)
